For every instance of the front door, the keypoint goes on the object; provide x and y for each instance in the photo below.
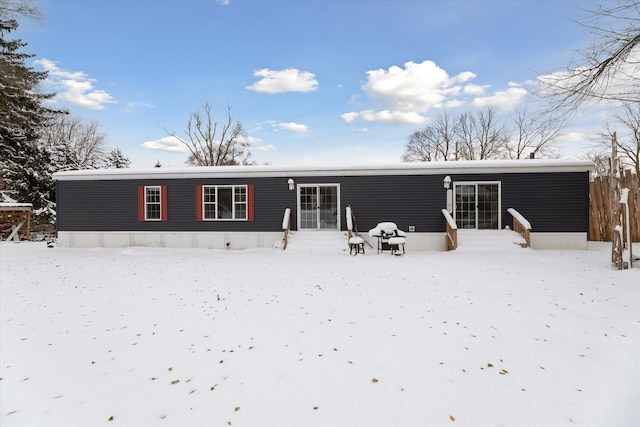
(478, 205)
(318, 207)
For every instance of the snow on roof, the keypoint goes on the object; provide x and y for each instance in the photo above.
(427, 168)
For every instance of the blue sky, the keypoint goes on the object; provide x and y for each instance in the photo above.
(313, 82)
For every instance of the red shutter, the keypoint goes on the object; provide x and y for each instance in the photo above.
(141, 203)
(250, 202)
(199, 203)
(164, 213)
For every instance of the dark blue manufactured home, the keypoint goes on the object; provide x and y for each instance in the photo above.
(239, 207)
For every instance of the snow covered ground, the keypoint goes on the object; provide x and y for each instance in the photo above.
(180, 337)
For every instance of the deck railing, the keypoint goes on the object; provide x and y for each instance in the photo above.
(521, 225)
(286, 225)
(452, 231)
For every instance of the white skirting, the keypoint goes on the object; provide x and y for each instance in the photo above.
(567, 241)
(416, 242)
(202, 240)
(214, 240)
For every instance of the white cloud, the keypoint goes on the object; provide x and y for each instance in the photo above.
(349, 117)
(474, 90)
(414, 88)
(505, 100)
(249, 139)
(406, 94)
(174, 144)
(572, 137)
(355, 100)
(294, 127)
(167, 143)
(465, 76)
(265, 148)
(386, 116)
(287, 80)
(131, 106)
(392, 117)
(74, 87)
(454, 103)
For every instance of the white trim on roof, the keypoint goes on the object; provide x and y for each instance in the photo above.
(428, 168)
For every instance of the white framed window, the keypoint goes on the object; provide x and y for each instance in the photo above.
(224, 202)
(153, 203)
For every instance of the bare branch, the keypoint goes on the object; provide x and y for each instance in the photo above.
(535, 133)
(205, 148)
(470, 136)
(609, 70)
(85, 139)
(436, 142)
(11, 9)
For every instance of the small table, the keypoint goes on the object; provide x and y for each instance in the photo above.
(389, 236)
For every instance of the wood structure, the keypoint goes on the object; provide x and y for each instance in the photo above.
(286, 227)
(600, 226)
(521, 226)
(621, 219)
(15, 219)
(452, 231)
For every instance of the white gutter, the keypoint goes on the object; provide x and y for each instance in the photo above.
(427, 168)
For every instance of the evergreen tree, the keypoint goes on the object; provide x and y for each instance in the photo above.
(116, 160)
(24, 163)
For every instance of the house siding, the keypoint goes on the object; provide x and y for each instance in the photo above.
(552, 201)
(111, 205)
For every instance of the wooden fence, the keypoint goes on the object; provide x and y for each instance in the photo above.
(600, 216)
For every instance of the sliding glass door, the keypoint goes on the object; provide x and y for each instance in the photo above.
(477, 205)
(318, 207)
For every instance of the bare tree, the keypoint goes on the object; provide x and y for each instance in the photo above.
(609, 69)
(436, 142)
(627, 138)
(534, 133)
(207, 147)
(83, 138)
(419, 148)
(482, 135)
(600, 159)
(629, 117)
(11, 9)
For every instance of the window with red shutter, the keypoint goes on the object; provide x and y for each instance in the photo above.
(224, 203)
(153, 203)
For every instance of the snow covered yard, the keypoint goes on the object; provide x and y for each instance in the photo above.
(164, 337)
